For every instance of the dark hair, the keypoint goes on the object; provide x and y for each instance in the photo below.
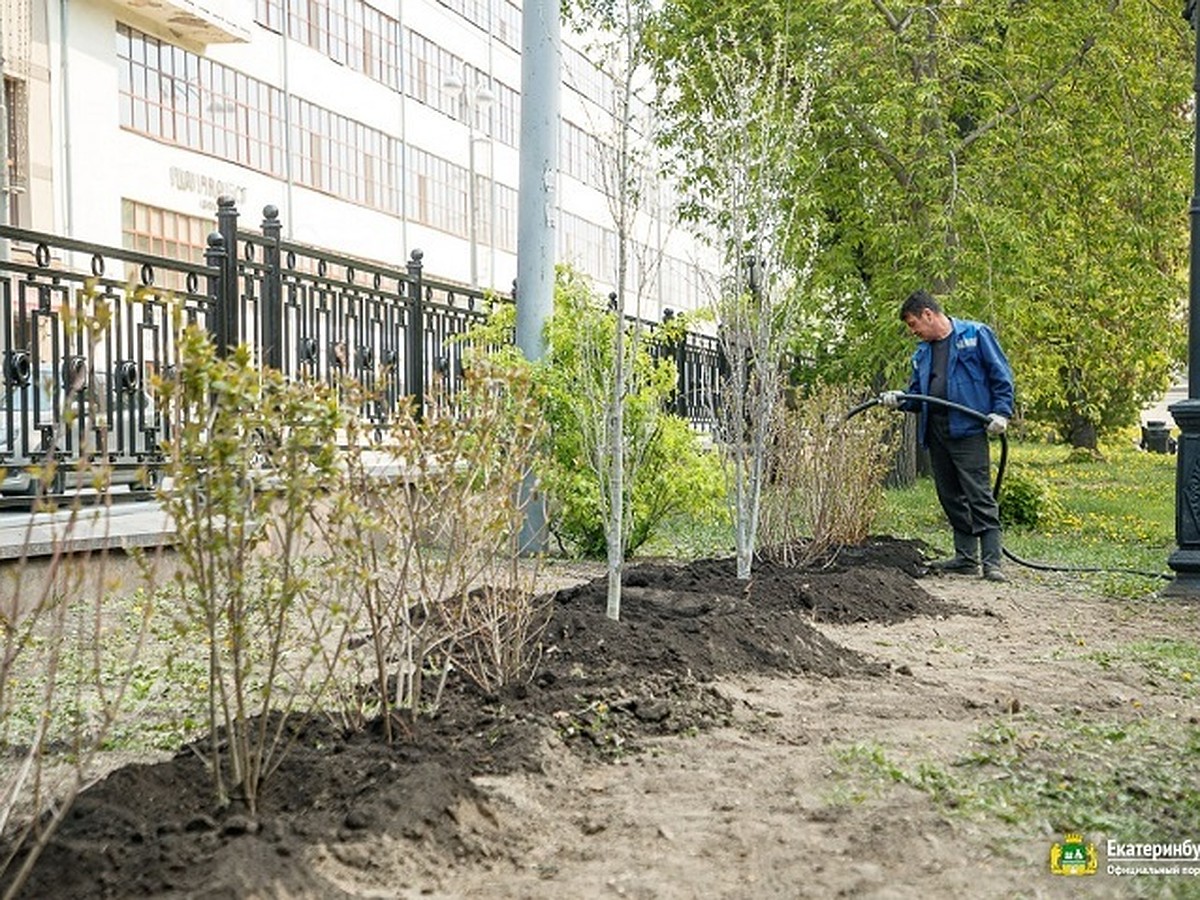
(918, 301)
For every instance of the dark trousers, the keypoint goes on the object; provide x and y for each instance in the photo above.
(962, 475)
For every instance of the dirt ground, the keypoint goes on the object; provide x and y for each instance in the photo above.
(688, 751)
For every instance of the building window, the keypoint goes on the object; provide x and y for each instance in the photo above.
(380, 47)
(343, 157)
(362, 38)
(429, 64)
(350, 32)
(269, 14)
(437, 189)
(588, 247)
(581, 75)
(176, 96)
(16, 163)
(580, 155)
(507, 23)
(323, 25)
(474, 11)
(161, 232)
(505, 113)
(506, 218)
(680, 283)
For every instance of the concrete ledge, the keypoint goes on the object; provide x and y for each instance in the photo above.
(126, 526)
(130, 524)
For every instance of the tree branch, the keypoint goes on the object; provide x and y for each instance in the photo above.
(876, 142)
(1037, 93)
(893, 22)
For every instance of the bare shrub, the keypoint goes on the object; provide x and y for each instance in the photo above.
(426, 536)
(65, 673)
(827, 472)
(497, 630)
(250, 456)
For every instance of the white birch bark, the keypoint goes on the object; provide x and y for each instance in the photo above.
(752, 125)
(626, 181)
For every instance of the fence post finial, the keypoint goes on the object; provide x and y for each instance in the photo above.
(226, 318)
(272, 309)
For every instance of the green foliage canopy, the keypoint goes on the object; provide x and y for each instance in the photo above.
(676, 474)
(1027, 160)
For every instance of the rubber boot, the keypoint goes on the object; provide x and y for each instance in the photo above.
(965, 560)
(993, 557)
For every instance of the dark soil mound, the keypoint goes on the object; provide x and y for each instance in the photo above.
(152, 830)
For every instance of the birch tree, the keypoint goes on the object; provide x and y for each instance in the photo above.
(627, 181)
(739, 168)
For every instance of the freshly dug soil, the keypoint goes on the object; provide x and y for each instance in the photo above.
(346, 815)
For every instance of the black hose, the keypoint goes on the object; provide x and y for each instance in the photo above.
(1001, 465)
(949, 404)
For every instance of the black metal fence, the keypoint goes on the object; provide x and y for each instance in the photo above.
(85, 328)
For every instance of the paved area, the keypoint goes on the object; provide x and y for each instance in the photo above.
(123, 526)
(1157, 412)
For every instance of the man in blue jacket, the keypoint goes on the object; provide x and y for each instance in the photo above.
(961, 362)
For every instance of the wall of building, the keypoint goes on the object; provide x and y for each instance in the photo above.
(93, 153)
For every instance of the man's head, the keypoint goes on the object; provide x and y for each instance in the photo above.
(924, 317)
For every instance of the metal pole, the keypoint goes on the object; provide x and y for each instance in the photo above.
(289, 177)
(472, 212)
(5, 188)
(491, 220)
(540, 84)
(1185, 560)
(66, 154)
(541, 81)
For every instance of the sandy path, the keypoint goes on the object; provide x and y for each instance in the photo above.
(755, 810)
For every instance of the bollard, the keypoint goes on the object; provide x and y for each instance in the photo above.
(1156, 437)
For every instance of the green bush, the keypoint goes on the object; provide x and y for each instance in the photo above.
(1024, 501)
(677, 477)
(674, 474)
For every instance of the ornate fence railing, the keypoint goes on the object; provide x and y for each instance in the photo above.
(86, 327)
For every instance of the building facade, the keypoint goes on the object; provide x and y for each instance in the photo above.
(375, 127)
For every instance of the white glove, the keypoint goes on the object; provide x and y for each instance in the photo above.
(996, 424)
(892, 399)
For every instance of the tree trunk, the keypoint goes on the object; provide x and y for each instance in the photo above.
(1082, 433)
(906, 462)
(616, 483)
(617, 531)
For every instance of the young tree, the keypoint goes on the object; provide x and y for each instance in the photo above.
(676, 475)
(738, 159)
(627, 181)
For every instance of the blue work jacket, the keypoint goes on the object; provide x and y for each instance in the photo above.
(978, 376)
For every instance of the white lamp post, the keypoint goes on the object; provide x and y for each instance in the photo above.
(473, 98)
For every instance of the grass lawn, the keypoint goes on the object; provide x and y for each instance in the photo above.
(1110, 514)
